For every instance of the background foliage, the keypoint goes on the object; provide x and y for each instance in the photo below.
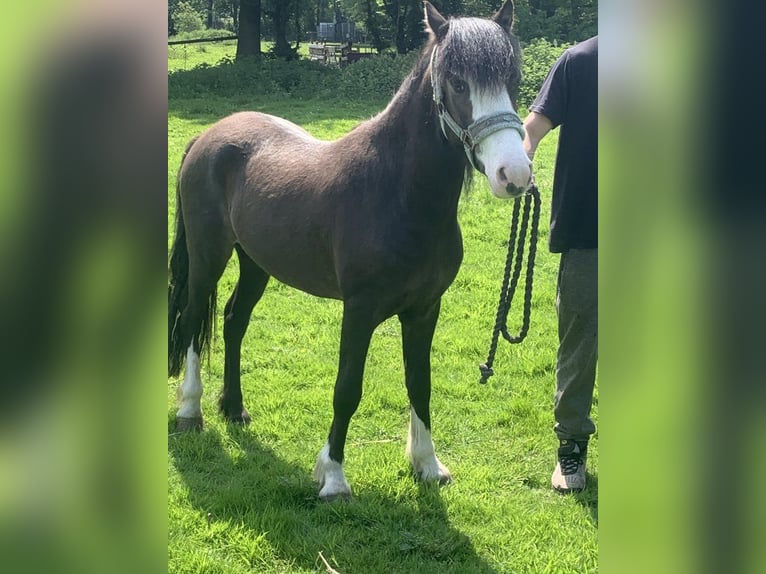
(370, 78)
(186, 18)
(392, 24)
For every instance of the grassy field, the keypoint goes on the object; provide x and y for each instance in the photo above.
(242, 499)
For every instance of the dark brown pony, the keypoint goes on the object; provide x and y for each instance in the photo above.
(370, 219)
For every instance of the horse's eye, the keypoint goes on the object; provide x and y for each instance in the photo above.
(458, 85)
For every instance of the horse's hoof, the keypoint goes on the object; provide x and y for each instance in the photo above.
(333, 496)
(186, 424)
(242, 418)
(434, 473)
(441, 479)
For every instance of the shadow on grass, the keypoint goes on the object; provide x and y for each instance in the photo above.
(375, 532)
(589, 497)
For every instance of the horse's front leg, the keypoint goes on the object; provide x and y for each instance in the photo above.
(358, 325)
(418, 327)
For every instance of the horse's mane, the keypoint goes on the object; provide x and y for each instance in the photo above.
(476, 50)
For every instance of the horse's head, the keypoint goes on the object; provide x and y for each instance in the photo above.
(475, 72)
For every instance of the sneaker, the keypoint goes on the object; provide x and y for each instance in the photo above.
(569, 474)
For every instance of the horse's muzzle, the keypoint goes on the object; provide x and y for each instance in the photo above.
(514, 190)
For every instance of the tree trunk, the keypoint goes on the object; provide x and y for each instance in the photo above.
(209, 14)
(297, 24)
(372, 27)
(280, 15)
(401, 48)
(393, 9)
(249, 41)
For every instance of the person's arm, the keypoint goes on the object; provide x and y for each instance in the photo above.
(536, 126)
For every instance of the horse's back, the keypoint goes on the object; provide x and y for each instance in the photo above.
(249, 132)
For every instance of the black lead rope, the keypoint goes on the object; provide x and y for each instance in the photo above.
(515, 247)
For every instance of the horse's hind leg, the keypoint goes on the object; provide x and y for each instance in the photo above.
(206, 265)
(252, 282)
(418, 327)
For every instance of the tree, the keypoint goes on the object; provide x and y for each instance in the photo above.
(557, 20)
(209, 11)
(372, 22)
(406, 17)
(228, 12)
(235, 15)
(249, 35)
(186, 18)
(280, 12)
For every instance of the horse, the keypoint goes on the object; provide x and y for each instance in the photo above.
(369, 219)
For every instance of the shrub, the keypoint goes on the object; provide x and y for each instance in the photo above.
(187, 19)
(539, 56)
(377, 77)
(370, 78)
(253, 77)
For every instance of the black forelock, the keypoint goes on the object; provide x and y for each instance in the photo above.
(478, 50)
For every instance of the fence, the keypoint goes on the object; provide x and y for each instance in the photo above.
(199, 40)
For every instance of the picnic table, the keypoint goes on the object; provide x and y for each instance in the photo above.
(336, 54)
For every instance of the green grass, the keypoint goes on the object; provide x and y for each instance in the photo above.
(189, 56)
(242, 499)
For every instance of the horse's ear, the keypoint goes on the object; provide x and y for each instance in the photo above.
(436, 24)
(504, 16)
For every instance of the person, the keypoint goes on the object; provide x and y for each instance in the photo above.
(569, 98)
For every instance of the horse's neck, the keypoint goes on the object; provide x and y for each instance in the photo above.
(432, 168)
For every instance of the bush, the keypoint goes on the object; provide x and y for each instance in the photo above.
(539, 57)
(187, 19)
(378, 77)
(253, 77)
(370, 78)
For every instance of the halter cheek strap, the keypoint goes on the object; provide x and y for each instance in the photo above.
(479, 130)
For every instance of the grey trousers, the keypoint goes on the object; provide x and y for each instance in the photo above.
(577, 306)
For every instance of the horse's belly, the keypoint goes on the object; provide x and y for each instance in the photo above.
(319, 284)
(303, 265)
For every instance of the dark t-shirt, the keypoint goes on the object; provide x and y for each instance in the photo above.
(569, 98)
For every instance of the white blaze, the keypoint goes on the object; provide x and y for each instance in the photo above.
(502, 153)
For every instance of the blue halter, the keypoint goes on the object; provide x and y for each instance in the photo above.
(479, 130)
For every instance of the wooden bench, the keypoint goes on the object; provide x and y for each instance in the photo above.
(333, 55)
(318, 53)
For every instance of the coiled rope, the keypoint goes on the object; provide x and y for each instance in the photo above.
(514, 261)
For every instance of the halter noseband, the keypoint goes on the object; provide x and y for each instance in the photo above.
(479, 130)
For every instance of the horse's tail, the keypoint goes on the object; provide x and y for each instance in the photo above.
(178, 293)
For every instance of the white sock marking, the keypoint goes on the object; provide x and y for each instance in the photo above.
(190, 391)
(330, 476)
(420, 451)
